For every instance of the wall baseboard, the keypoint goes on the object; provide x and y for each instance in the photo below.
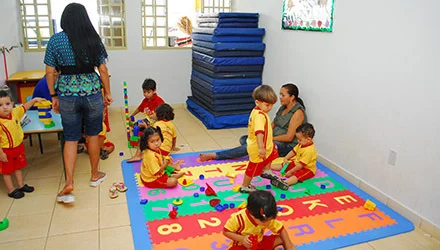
(406, 212)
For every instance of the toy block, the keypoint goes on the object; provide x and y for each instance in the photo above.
(4, 224)
(196, 195)
(46, 120)
(185, 182)
(231, 175)
(143, 201)
(322, 186)
(173, 214)
(236, 188)
(231, 205)
(121, 153)
(134, 138)
(46, 116)
(201, 177)
(44, 103)
(279, 208)
(202, 189)
(369, 205)
(209, 191)
(283, 170)
(177, 202)
(219, 208)
(214, 202)
(283, 196)
(268, 186)
(50, 125)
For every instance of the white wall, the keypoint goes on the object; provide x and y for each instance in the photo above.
(370, 86)
(170, 68)
(9, 36)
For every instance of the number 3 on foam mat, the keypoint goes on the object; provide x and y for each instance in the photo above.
(215, 222)
(168, 229)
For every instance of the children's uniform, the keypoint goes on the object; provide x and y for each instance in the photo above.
(259, 122)
(11, 141)
(306, 156)
(103, 133)
(169, 133)
(151, 175)
(148, 106)
(242, 223)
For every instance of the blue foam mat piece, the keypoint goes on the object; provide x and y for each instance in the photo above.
(227, 68)
(226, 82)
(229, 25)
(225, 39)
(230, 46)
(224, 89)
(227, 53)
(231, 31)
(228, 60)
(227, 75)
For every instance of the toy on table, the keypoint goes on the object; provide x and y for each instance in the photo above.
(369, 205)
(44, 108)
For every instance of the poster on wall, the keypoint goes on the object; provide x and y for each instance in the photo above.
(314, 15)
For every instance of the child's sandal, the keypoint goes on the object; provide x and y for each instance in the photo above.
(113, 192)
(120, 186)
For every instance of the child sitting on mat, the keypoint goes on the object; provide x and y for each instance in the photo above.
(154, 163)
(246, 227)
(301, 160)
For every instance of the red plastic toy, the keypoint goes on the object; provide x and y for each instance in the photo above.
(214, 202)
(173, 214)
(209, 191)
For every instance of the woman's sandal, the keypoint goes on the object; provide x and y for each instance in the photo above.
(120, 186)
(98, 181)
(113, 192)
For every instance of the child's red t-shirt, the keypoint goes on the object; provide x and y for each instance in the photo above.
(151, 104)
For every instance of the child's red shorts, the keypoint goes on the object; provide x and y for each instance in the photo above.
(160, 182)
(255, 169)
(302, 174)
(16, 160)
(266, 243)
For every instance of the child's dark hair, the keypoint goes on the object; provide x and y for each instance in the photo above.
(262, 205)
(265, 93)
(149, 84)
(293, 90)
(5, 92)
(143, 143)
(164, 112)
(306, 129)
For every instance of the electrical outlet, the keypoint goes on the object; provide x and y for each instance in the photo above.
(392, 158)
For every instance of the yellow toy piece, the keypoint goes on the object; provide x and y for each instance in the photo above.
(231, 175)
(177, 202)
(369, 205)
(243, 205)
(236, 188)
(185, 182)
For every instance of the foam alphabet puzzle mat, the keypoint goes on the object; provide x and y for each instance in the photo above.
(325, 212)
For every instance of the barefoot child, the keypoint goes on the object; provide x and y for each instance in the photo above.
(246, 227)
(153, 163)
(12, 155)
(301, 160)
(260, 146)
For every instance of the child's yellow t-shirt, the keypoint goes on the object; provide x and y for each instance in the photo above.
(259, 122)
(11, 132)
(169, 133)
(306, 156)
(150, 167)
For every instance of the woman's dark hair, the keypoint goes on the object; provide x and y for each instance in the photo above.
(262, 205)
(143, 143)
(293, 90)
(164, 112)
(85, 41)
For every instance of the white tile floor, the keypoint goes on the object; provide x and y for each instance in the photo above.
(95, 221)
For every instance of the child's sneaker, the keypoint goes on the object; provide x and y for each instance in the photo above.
(279, 184)
(247, 189)
(26, 188)
(104, 155)
(268, 174)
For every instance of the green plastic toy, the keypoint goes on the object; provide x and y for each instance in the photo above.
(283, 170)
(4, 224)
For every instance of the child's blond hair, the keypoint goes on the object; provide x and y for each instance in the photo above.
(265, 93)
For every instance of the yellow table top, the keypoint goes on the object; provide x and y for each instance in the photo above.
(27, 75)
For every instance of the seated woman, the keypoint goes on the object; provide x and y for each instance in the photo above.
(289, 116)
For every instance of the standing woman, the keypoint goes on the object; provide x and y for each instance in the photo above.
(77, 94)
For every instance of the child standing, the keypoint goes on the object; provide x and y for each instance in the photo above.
(153, 162)
(301, 160)
(107, 147)
(12, 156)
(151, 100)
(246, 227)
(260, 146)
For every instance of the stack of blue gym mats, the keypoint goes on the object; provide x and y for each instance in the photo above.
(227, 65)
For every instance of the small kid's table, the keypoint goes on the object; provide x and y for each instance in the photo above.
(25, 82)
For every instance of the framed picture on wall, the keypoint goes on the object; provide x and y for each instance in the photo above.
(314, 15)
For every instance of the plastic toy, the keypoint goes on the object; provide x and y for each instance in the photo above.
(214, 202)
(225, 206)
(219, 208)
(201, 177)
(283, 170)
(185, 182)
(231, 175)
(209, 191)
(4, 224)
(44, 114)
(173, 214)
(202, 189)
(196, 195)
(143, 201)
(121, 153)
(236, 188)
(175, 207)
(268, 186)
(231, 205)
(177, 202)
(279, 208)
(283, 196)
(322, 186)
(369, 205)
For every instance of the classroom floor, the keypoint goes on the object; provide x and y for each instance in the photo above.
(95, 221)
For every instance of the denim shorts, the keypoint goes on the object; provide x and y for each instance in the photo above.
(77, 111)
